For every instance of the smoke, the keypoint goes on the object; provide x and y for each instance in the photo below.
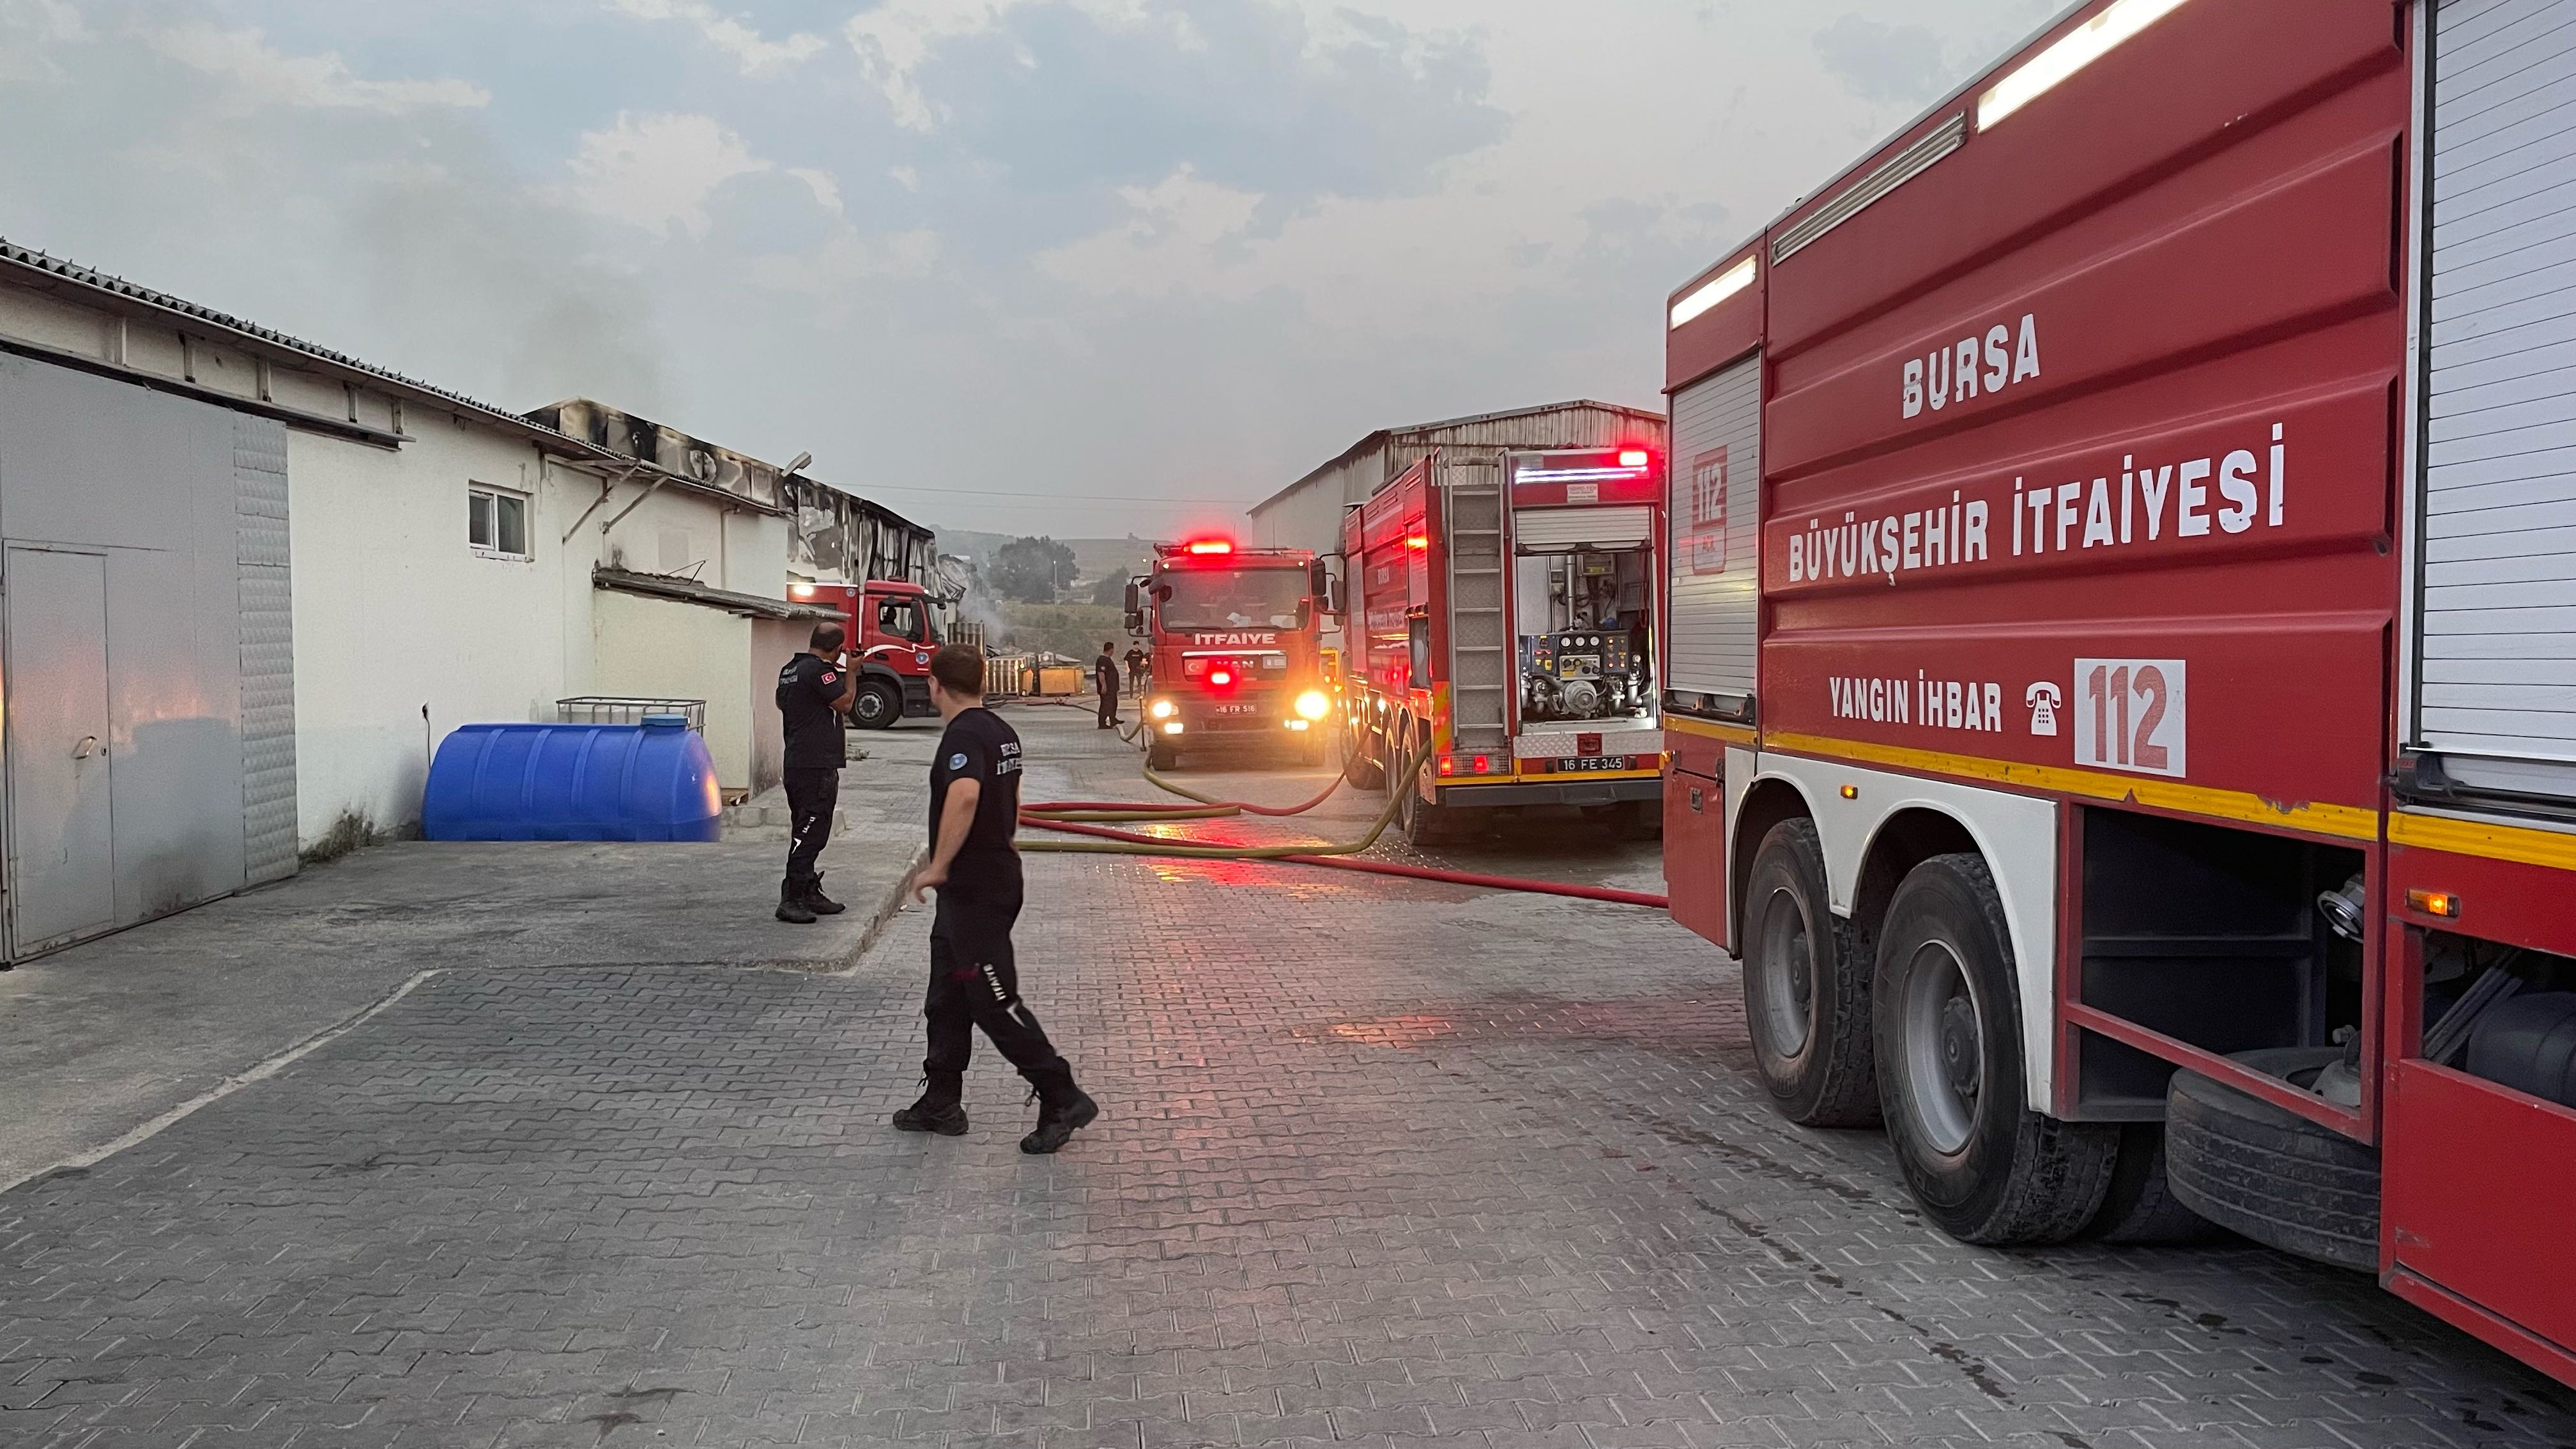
(375, 216)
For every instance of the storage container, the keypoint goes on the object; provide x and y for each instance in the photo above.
(649, 781)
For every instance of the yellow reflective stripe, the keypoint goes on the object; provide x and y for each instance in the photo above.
(1732, 734)
(2483, 840)
(2351, 822)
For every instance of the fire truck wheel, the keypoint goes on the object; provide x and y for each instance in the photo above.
(2269, 1173)
(1984, 1167)
(1424, 822)
(1159, 757)
(1806, 993)
(877, 705)
(1358, 767)
(2141, 1206)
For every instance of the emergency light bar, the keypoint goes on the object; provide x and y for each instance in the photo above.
(1720, 287)
(2075, 50)
(1211, 545)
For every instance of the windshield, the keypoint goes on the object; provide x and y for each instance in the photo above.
(1233, 598)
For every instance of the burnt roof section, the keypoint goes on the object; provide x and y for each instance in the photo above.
(1380, 437)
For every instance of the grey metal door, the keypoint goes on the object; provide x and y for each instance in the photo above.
(63, 865)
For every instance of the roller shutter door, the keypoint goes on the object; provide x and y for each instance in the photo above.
(1557, 529)
(2498, 629)
(1715, 558)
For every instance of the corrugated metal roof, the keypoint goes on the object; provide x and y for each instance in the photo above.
(26, 264)
(1422, 431)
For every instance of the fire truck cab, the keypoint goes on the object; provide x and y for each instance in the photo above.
(890, 632)
(2119, 685)
(1236, 638)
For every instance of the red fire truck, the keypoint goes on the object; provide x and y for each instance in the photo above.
(891, 636)
(1236, 641)
(1507, 616)
(2119, 683)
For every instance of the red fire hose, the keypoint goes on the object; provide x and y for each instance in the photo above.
(1074, 817)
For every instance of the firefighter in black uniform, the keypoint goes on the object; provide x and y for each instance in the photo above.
(974, 980)
(814, 692)
(1104, 677)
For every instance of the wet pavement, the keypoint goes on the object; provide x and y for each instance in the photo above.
(1384, 1163)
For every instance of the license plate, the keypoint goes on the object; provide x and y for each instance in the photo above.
(1236, 709)
(1581, 763)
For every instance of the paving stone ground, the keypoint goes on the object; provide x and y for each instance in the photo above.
(1385, 1164)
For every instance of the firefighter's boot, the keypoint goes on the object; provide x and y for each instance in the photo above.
(817, 902)
(939, 1109)
(1063, 1108)
(791, 902)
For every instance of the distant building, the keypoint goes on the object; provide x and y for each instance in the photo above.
(1307, 514)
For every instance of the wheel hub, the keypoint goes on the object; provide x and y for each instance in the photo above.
(1788, 976)
(1959, 1045)
(1943, 1061)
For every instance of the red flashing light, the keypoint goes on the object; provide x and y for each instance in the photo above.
(1448, 764)
(1633, 458)
(1484, 764)
(1220, 678)
(1211, 545)
(1418, 541)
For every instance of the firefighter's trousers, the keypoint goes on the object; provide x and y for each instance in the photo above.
(975, 982)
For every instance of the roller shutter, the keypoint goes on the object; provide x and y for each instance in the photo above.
(2498, 629)
(1554, 529)
(1715, 556)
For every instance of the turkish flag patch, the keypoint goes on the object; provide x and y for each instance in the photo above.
(829, 676)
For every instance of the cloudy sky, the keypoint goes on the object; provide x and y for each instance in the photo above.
(1086, 266)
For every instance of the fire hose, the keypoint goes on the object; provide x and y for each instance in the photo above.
(1082, 817)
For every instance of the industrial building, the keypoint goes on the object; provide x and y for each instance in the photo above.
(249, 583)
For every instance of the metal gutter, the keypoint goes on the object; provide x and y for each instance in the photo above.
(293, 417)
(28, 267)
(689, 591)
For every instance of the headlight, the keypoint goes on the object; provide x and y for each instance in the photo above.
(1172, 728)
(1313, 705)
(1163, 709)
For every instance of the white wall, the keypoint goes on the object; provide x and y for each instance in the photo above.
(686, 651)
(395, 613)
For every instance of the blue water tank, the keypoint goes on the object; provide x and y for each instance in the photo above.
(649, 781)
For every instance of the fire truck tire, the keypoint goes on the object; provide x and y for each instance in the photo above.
(1983, 1166)
(1363, 770)
(1159, 757)
(1806, 992)
(2269, 1173)
(1424, 822)
(2141, 1206)
(877, 705)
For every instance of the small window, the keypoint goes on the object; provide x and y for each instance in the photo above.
(497, 522)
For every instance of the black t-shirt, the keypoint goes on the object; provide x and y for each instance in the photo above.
(979, 747)
(1104, 672)
(806, 689)
(1135, 659)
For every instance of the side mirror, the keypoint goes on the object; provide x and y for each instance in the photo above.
(1135, 620)
(1333, 598)
(1132, 605)
(1305, 612)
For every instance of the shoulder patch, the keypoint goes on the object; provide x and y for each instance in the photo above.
(957, 761)
(829, 676)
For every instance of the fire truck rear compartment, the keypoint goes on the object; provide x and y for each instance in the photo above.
(2208, 935)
